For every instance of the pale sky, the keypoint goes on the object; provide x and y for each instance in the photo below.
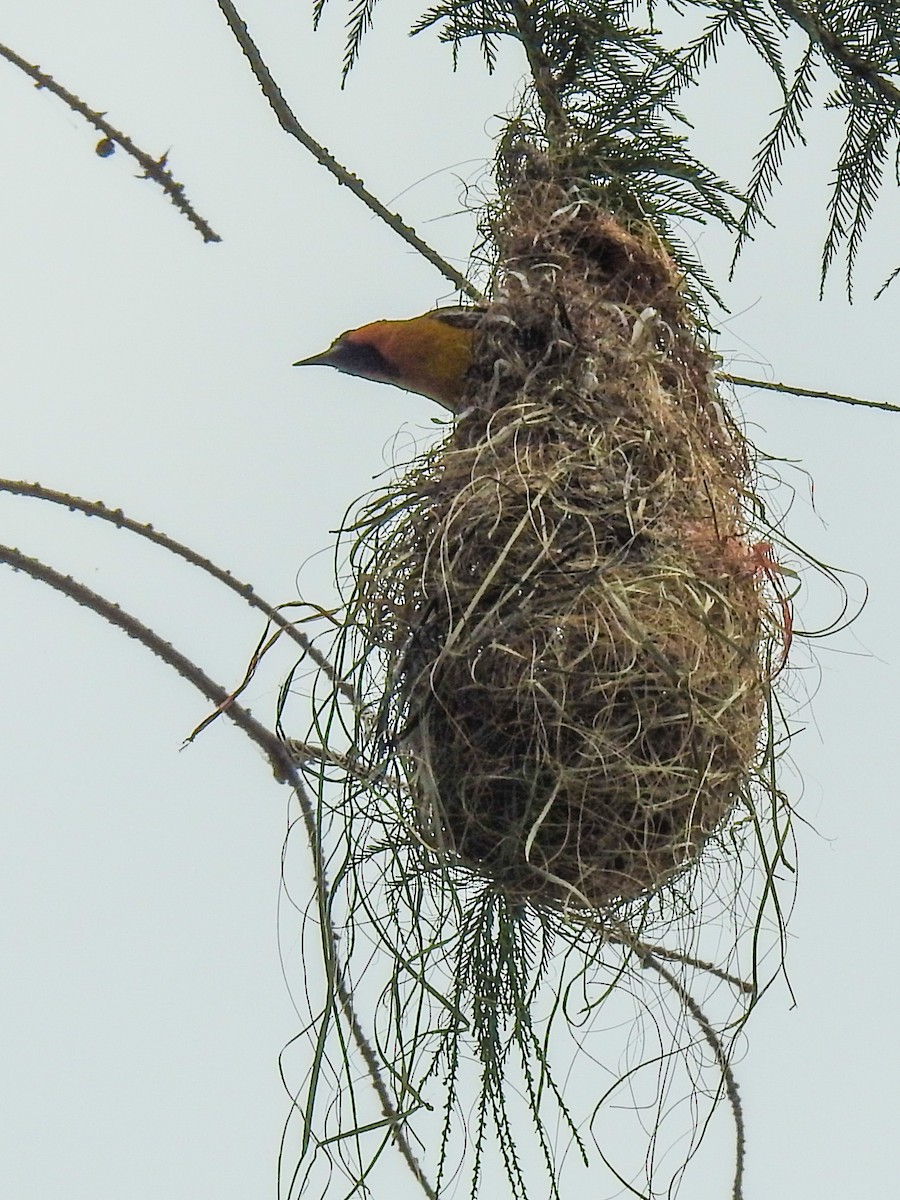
(142, 1003)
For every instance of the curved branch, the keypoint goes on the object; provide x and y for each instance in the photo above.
(275, 750)
(643, 950)
(715, 1043)
(289, 123)
(154, 168)
(281, 759)
(96, 508)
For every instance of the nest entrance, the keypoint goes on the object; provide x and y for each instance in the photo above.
(572, 617)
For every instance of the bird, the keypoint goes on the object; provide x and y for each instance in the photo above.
(429, 354)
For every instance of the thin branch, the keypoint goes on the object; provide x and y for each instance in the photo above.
(368, 774)
(643, 949)
(281, 759)
(95, 508)
(715, 1043)
(275, 750)
(289, 123)
(819, 32)
(545, 86)
(154, 168)
(742, 381)
(618, 934)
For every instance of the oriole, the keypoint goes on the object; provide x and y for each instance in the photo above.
(429, 354)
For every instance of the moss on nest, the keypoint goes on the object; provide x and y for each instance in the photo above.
(563, 592)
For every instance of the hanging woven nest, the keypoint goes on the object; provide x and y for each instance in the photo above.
(568, 608)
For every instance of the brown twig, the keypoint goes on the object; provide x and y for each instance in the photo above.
(643, 949)
(154, 168)
(545, 85)
(289, 123)
(743, 381)
(275, 750)
(95, 508)
(281, 759)
(715, 1043)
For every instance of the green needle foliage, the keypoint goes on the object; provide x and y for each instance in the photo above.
(606, 77)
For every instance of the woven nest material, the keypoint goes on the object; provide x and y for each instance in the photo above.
(564, 590)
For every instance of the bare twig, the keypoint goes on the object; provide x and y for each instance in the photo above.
(728, 1079)
(289, 123)
(154, 168)
(95, 508)
(275, 750)
(281, 759)
(743, 381)
(545, 85)
(642, 949)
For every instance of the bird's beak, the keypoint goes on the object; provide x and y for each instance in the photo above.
(316, 360)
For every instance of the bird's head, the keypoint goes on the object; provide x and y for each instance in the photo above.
(429, 354)
(359, 352)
